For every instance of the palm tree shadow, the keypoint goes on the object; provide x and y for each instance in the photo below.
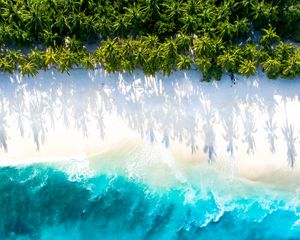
(65, 105)
(18, 106)
(229, 114)
(160, 109)
(249, 130)
(209, 134)
(230, 135)
(271, 127)
(37, 120)
(290, 138)
(3, 126)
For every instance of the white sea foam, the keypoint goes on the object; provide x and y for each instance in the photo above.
(167, 126)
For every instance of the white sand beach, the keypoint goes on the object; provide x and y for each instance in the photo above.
(250, 128)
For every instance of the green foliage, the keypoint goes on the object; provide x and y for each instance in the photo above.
(247, 67)
(152, 35)
(228, 61)
(269, 37)
(272, 67)
(184, 62)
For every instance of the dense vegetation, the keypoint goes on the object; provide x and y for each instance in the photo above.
(216, 36)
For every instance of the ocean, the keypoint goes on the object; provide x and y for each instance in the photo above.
(65, 201)
(93, 155)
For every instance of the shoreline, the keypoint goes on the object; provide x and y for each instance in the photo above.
(191, 122)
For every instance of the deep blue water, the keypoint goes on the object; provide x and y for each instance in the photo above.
(42, 202)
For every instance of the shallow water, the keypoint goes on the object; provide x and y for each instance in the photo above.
(70, 201)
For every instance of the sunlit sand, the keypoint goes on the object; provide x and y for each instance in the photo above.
(249, 129)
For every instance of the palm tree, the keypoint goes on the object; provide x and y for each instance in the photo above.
(62, 24)
(128, 49)
(36, 18)
(121, 26)
(50, 57)
(284, 51)
(250, 52)
(226, 29)
(247, 67)
(169, 49)
(104, 27)
(150, 41)
(263, 12)
(244, 6)
(153, 63)
(290, 21)
(13, 58)
(88, 61)
(7, 65)
(203, 46)
(184, 62)
(152, 9)
(241, 26)
(272, 67)
(66, 60)
(269, 37)
(20, 35)
(10, 12)
(173, 10)
(216, 73)
(208, 13)
(50, 39)
(228, 61)
(291, 68)
(73, 44)
(88, 28)
(193, 7)
(135, 16)
(168, 55)
(28, 68)
(139, 56)
(109, 55)
(164, 34)
(224, 9)
(190, 23)
(36, 57)
(184, 43)
(203, 64)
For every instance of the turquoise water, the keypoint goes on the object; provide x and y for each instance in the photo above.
(46, 202)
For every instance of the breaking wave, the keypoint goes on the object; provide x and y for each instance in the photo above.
(70, 202)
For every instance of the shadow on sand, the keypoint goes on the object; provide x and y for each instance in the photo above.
(161, 109)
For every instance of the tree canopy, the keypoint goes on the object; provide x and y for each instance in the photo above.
(216, 36)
